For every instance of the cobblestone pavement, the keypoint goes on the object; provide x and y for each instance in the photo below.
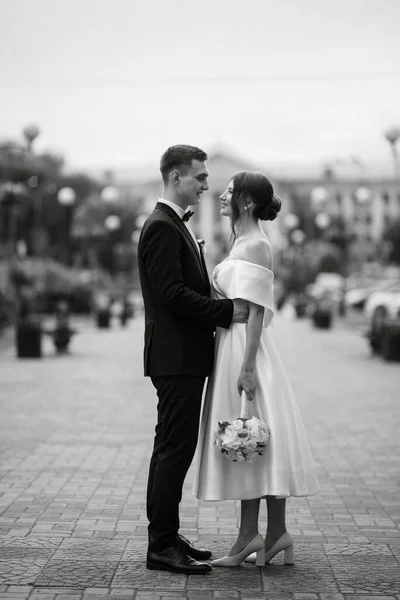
(75, 438)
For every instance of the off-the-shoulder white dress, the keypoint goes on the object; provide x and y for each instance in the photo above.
(286, 467)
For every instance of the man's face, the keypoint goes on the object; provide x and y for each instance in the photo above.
(193, 182)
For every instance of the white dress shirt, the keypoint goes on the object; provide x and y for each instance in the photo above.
(180, 212)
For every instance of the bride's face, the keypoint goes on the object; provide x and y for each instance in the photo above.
(226, 201)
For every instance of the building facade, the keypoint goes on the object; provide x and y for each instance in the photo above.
(359, 207)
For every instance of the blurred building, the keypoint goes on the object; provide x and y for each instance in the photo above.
(357, 209)
(348, 205)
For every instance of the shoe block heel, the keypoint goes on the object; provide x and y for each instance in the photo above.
(260, 560)
(289, 556)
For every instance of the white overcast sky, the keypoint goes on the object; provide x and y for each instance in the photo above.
(112, 83)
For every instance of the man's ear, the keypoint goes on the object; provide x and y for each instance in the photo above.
(175, 177)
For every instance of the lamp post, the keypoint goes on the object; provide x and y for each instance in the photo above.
(319, 195)
(298, 236)
(110, 194)
(112, 223)
(291, 221)
(66, 197)
(30, 133)
(392, 135)
(362, 194)
(322, 220)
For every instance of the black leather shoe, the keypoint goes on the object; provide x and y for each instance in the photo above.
(196, 553)
(175, 560)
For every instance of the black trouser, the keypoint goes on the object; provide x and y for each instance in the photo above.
(179, 404)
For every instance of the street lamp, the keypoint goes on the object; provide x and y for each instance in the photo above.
(319, 195)
(30, 133)
(110, 194)
(298, 236)
(322, 220)
(291, 221)
(392, 135)
(362, 194)
(66, 197)
(112, 223)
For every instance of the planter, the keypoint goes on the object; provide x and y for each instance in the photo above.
(103, 318)
(390, 341)
(28, 340)
(61, 338)
(301, 310)
(322, 319)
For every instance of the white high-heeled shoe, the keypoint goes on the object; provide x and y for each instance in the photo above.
(256, 546)
(285, 543)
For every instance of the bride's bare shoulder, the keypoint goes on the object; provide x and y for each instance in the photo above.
(258, 251)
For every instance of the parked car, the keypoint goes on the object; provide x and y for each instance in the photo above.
(382, 312)
(356, 297)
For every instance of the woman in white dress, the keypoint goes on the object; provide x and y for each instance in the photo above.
(246, 360)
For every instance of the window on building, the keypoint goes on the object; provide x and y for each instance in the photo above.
(368, 218)
(386, 198)
(339, 199)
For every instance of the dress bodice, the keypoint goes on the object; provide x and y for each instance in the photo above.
(236, 278)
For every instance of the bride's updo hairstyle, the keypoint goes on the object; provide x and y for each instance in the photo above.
(255, 187)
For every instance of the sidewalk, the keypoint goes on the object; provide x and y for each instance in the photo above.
(76, 434)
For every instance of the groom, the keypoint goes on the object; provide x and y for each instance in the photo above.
(180, 320)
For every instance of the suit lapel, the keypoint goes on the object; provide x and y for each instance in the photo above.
(205, 272)
(170, 211)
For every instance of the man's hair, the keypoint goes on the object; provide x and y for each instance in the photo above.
(177, 156)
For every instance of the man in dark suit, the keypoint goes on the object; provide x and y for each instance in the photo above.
(180, 321)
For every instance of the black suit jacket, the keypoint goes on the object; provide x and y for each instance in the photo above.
(180, 316)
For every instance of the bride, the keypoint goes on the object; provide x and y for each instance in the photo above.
(246, 360)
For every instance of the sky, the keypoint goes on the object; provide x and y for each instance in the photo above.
(113, 83)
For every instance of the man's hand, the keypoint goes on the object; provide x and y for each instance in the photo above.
(240, 311)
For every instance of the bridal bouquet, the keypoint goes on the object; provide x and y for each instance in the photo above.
(242, 439)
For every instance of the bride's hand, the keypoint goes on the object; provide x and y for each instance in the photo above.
(247, 383)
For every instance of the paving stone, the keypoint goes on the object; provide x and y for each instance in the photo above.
(242, 579)
(22, 590)
(355, 575)
(27, 547)
(82, 549)
(136, 575)
(21, 571)
(357, 550)
(68, 596)
(77, 573)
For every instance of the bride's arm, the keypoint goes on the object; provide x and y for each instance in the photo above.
(246, 381)
(259, 253)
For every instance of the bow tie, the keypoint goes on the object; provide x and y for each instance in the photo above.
(187, 215)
